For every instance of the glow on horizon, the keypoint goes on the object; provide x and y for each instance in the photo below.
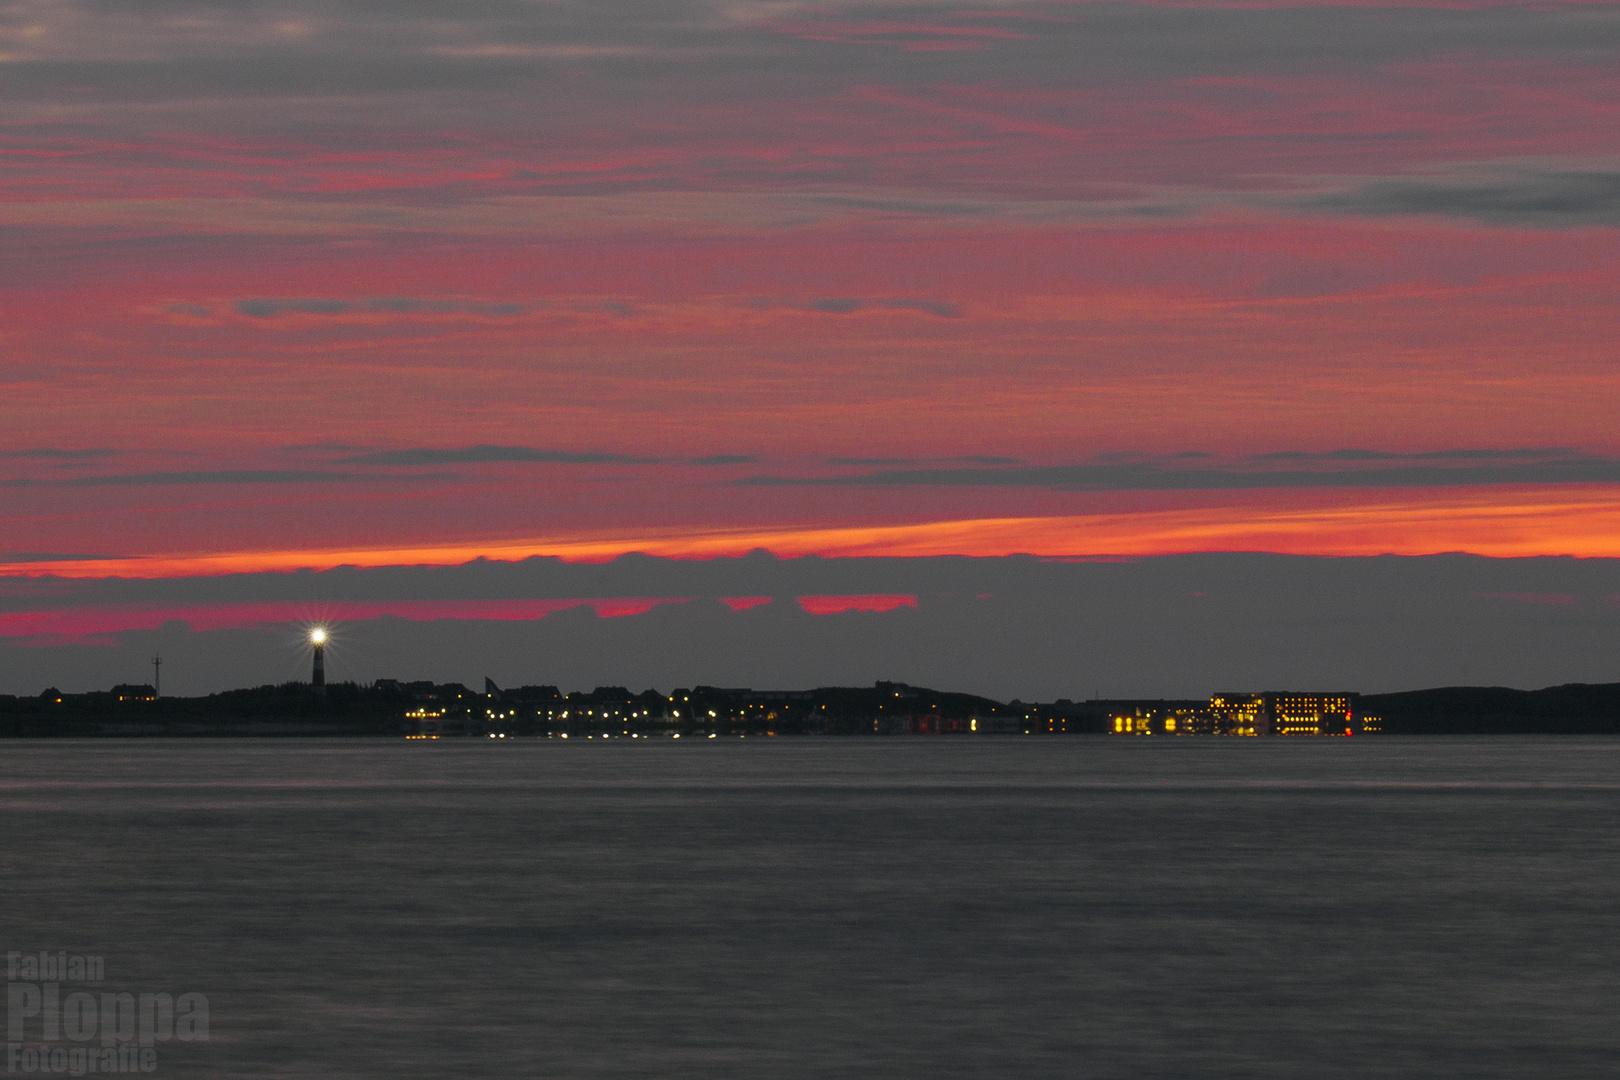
(1575, 520)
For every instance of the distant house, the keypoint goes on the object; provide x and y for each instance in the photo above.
(134, 692)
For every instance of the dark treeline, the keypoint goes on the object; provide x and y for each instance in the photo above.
(392, 708)
(1573, 709)
(288, 709)
(389, 707)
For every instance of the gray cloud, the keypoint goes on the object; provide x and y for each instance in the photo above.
(51, 453)
(270, 308)
(1523, 195)
(51, 557)
(932, 307)
(219, 476)
(1337, 469)
(969, 459)
(1519, 453)
(356, 51)
(835, 306)
(723, 459)
(652, 69)
(846, 305)
(487, 454)
(1507, 192)
(408, 305)
(871, 461)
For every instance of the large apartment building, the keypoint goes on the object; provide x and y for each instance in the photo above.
(1271, 712)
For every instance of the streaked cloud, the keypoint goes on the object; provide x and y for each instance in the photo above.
(355, 53)
(1505, 194)
(490, 454)
(971, 459)
(724, 459)
(23, 558)
(394, 305)
(1519, 195)
(487, 454)
(1531, 453)
(269, 309)
(206, 476)
(847, 305)
(1345, 468)
(50, 453)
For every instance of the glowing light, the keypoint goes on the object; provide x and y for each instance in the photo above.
(317, 636)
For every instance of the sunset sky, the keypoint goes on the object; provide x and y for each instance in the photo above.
(292, 285)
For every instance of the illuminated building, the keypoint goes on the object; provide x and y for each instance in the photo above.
(1272, 712)
(134, 692)
(436, 723)
(1286, 712)
(1156, 721)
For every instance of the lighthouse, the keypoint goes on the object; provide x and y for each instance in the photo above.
(317, 678)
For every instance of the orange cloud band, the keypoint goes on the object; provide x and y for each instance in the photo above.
(1579, 520)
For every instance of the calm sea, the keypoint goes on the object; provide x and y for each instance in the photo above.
(905, 907)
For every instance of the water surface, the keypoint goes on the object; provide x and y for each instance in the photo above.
(906, 907)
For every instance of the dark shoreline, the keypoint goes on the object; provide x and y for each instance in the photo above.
(346, 710)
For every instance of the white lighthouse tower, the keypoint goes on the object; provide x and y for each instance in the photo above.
(317, 678)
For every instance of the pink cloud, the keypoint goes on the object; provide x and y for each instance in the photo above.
(743, 603)
(832, 605)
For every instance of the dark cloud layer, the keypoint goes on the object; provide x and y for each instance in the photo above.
(1116, 471)
(301, 65)
(847, 305)
(1006, 627)
(1524, 196)
(970, 459)
(398, 305)
(1533, 453)
(487, 454)
(48, 453)
(300, 50)
(559, 75)
(51, 557)
(1345, 468)
(268, 309)
(214, 476)
(723, 459)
